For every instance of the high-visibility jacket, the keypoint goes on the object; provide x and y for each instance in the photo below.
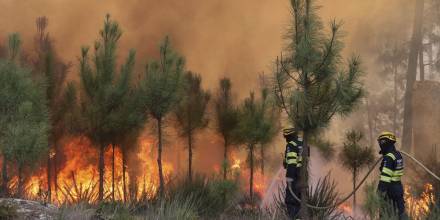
(391, 169)
(293, 158)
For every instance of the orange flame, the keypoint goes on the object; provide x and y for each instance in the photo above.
(78, 178)
(419, 207)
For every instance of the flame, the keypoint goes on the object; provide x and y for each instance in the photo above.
(418, 207)
(78, 177)
(346, 208)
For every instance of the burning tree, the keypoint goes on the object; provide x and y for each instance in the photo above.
(355, 157)
(24, 116)
(254, 128)
(227, 118)
(103, 91)
(191, 112)
(161, 87)
(310, 84)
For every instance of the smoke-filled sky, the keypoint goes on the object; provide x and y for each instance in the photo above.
(235, 38)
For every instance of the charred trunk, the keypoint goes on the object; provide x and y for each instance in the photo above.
(101, 172)
(262, 160)
(251, 176)
(49, 188)
(113, 172)
(190, 156)
(159, 158)
(124, 171)
(225, 159)
(20, 181)
(5, 179)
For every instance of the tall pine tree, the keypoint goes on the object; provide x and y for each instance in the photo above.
(309, 82)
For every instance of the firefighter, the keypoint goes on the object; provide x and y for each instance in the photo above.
(391, 172)
(292, 163)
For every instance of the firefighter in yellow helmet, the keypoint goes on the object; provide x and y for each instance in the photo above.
(292, 163)
(391, 172)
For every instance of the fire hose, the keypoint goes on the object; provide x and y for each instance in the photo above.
(360, 184)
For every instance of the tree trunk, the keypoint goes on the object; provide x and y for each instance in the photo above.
(101, 172)
(113, 172)
(49, 188)
(55, 170)
(354, 194)
(421, 64)
(225, 159)
(20, 181)
(370, 122)
(124, 170)
(190, 156)
(251, 176)
(159, 158)
(304, 178)
(262, 160)
(395, 107)
(411, 75)
(5, 179)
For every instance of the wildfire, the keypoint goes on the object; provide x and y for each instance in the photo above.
(418, 207)
(77, 179)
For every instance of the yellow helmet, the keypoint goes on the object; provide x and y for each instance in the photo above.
(289, 131)
(387, 135)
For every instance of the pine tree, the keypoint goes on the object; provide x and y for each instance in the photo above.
(255, 127)
(49, 66)
(310, 84)
(24, 116)
(414, 52)
(161, 87)
(355, 158)
(103, 91)
(226, 117)
(191, 112)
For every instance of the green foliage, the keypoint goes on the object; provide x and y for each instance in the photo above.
(103, 91)
(24, 115)
(209, 197)
(162, 82)
(309, 83)
(191, 111)
(113, 211)
(226, 113)
(325, 147)
(354, 157)
(323, 194)
(376, 205)
(255, 125)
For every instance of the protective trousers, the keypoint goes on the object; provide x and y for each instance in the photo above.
(293, 206)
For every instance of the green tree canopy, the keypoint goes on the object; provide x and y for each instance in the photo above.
(191, 111)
